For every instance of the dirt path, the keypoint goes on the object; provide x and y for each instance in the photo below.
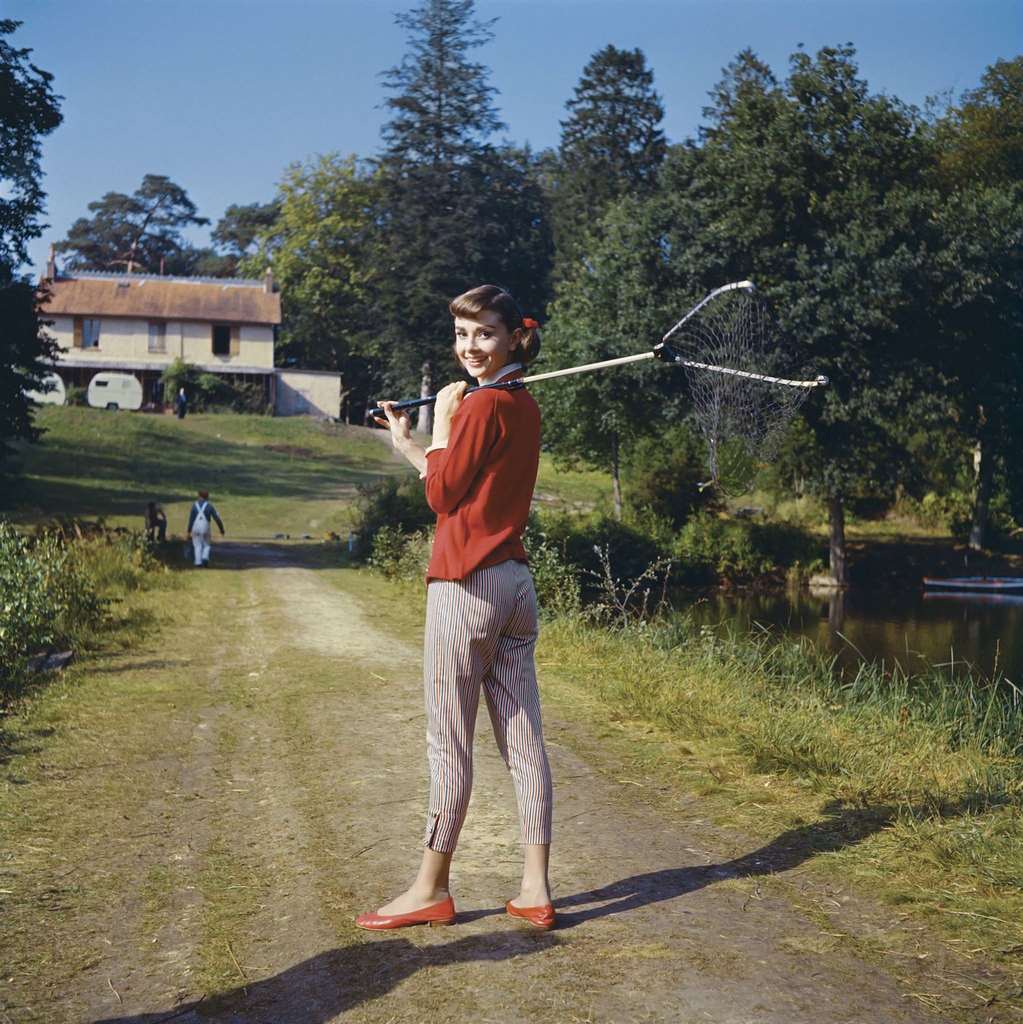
(283, 792)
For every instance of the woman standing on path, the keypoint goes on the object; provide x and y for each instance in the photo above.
(481, 607)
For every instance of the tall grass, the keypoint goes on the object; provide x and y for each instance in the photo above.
(919, 778)
(933, 741)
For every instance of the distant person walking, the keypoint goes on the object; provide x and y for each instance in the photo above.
(156, 522)
(181, 404)
(199, 527)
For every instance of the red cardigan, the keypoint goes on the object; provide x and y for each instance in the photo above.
(481, 485)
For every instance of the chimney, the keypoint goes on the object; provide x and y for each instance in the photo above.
(268, 281)
(51, 264)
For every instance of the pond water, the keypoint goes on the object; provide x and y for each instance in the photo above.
(917, 630)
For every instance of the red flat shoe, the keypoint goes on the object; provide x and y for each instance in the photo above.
(433, 915)
(543, 917)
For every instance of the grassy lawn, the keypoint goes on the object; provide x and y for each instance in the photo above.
(265, 475)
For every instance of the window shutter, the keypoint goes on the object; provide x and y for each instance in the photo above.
(78, 332)
(236, 345)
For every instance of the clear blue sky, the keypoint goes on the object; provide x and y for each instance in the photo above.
(221, 95)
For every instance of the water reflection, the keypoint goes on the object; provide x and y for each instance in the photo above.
(917, 630)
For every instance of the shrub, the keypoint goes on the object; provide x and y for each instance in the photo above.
(180, 374)
(400, 504)
(47, 598)
(582, 542)
(56, 587)
(75, 395)
(212, 392)
(556, 581)
(399, 555)
(664, 474)
(711, 548)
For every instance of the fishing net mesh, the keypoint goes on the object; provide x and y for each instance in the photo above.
(742, 418)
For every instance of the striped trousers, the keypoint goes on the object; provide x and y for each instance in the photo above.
(481, 633)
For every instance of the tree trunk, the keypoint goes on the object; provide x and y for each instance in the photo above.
(424, 423)
(836, 544)
(982, 500)
(836, 611)
(616, 480)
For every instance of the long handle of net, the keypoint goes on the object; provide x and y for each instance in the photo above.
(512, 385)
(663, 352)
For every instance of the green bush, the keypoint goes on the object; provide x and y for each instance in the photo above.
(47, 599)
(211, 392)
(400, 504)
(556, 581)
(399, 555)
(56, 587)
(711, 548)
(75, 395)
(664, 476)
(581, 542)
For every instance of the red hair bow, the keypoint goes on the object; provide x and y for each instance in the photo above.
(530, 323)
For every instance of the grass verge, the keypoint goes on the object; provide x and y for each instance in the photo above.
(909, 788)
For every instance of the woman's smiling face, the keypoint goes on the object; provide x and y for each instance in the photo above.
(483, 345)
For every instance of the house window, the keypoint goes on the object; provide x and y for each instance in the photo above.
(86, 333)
(157, 336)
(221, 340)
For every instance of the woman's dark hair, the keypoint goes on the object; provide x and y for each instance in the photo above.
(489, 298)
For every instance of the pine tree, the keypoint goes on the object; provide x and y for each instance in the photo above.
(136, 233)
(443, 116)
(611, 145)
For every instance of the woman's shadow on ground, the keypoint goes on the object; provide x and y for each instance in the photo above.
(318, 989)
(840, 827)
(321, 988)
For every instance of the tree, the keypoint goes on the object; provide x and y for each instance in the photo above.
(816, 190)
(981, 138)
(612, 304)
(611, 144)
(319, 245)
(29, 109)
(236, 237)
(979, 281)
(436, 150)
(140, 232)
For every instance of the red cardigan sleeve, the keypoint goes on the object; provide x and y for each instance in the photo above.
(450, 471)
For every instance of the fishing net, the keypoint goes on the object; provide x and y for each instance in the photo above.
(731, 353)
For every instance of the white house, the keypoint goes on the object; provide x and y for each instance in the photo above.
(139, 323)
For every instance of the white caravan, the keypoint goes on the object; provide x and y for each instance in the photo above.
(115, 391)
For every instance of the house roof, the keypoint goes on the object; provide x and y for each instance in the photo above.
(231, 300)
